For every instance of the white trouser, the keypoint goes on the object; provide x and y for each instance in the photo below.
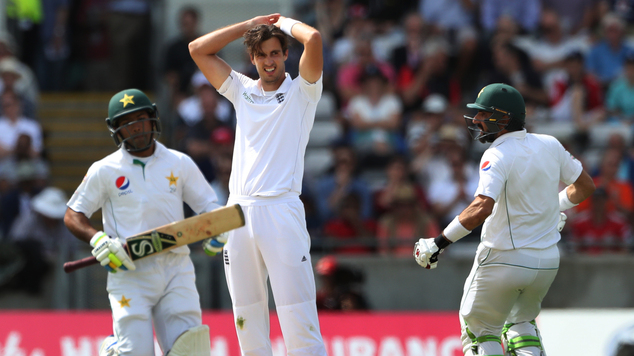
(504, 287)
(274, 243)
(160, 292)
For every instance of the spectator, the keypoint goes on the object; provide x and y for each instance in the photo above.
(620, 193)
(18, 200)
(91, 44)
(605, 59)
(340, 286)
(454, 21)
(23, 152)
(448, 197)
(398, 179)
(618, 101)
(375, 119)
(549, 49)
(342, 180)
(434, 76)
(53, 49)
(405, 221)
(179, 66)
(357, 28)
(129, 31)
(13, 123)
(406, 59)
(348, 230)
(577, 16)
(600, 230)
(433, 164)
(423, 127)
(351, 74)
(526, 13)
(10, 74)
(577, 98)
(512, 66)
(40, 235)
(26, 85)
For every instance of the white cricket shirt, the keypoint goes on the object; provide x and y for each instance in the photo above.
(521, 172)
(271, 134)
(134, 198)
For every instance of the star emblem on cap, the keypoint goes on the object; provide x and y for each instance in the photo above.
(127, 99)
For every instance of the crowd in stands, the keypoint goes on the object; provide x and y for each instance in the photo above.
(399, 74)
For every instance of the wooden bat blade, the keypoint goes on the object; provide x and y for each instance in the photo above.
(175, 234)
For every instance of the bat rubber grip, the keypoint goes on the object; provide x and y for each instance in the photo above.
(75, 265)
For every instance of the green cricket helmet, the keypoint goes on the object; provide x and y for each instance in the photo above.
(126, 102)
(500, 100)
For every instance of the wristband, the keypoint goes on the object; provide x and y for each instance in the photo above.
(287, 25)
(455, 231)
(441, 242)
(96, 237)
(564, 201)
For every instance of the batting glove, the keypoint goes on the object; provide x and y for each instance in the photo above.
(562, 221)
(110, 253)
(426, 253)
(214, 245)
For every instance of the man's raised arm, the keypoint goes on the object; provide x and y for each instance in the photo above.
(204, 49)
(312, 61)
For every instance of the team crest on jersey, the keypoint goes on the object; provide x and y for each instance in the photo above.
(123, 183)
(486, 166)
(173, 182)
(279, 97)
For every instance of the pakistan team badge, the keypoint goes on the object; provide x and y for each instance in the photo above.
(173, 180)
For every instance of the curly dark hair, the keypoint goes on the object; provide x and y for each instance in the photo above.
(254, 37)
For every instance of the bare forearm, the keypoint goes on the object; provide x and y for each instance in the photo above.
(79, 225)
(213, 42)
(581, 189)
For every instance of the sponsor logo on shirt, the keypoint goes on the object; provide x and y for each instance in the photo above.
(247, 97)
(123, 183)
(486, 166)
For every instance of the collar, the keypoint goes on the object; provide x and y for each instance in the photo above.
(284, 87)
(509, 135)
(158, 151)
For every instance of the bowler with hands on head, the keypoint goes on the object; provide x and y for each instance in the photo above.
(519, 202)
(274, 117)
(141, 186)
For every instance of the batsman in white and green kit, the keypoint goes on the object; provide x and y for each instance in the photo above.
(519, 202)
(139, 187)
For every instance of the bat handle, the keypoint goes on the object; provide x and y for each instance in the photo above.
(75, 265)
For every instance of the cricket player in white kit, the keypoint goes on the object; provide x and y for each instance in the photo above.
(141, 186)
(274, 117)
(519, 202)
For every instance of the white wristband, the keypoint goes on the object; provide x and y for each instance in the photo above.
(564, 201)
(287, 25)
(455, 231)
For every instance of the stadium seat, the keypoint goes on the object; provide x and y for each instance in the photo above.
(324, 133)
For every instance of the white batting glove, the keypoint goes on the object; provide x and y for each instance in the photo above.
(214, 245)
(110, 253)
(562, 221)
(426, 253)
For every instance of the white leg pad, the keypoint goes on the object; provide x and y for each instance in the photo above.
(193, 342)
(523, 339)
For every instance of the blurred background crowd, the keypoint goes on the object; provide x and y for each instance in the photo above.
(389, 159)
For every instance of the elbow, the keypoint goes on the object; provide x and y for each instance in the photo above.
(314, 39)
(589, 189)
(194, 48)
(482, 213)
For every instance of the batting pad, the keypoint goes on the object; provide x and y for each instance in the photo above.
(193, 342)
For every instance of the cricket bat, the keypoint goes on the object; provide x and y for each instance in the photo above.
(175, 234)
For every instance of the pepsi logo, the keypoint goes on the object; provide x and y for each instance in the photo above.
(122, 183)
(486, 166)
